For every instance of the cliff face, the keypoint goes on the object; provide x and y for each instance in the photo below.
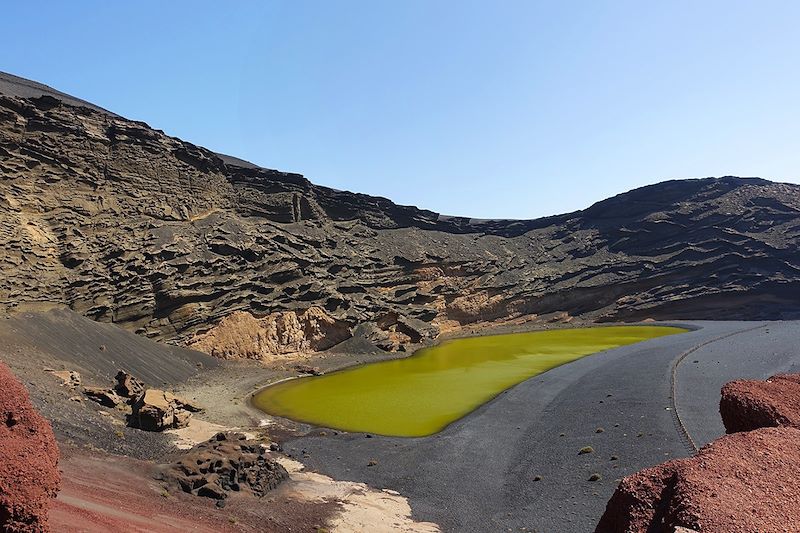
(123, 223)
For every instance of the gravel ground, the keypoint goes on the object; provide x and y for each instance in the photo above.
(514, 464)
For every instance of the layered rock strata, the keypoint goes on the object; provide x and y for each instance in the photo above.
(241, 335)
(125, 224)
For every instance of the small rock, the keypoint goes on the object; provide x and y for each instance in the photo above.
(308, 369)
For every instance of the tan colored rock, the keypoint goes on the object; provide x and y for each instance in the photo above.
(128, 386)
(105, 397)
(157, 410)
(71, 378)
(241, 335)
(475, 307)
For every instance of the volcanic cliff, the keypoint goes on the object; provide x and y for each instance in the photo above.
(125, 224)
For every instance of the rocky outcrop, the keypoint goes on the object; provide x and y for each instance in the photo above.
(125, 391)
(740, 483)
(748, 404)
(125, 224)
(241, 335)
(157, 410)
(226, 463)
(29, 475)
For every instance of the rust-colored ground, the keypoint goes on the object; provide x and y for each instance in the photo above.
(745, 481)
(748, 404)
(104, 493)
(740, 483)
(29, 476)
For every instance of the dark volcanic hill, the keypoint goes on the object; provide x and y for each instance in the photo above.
(123, 223)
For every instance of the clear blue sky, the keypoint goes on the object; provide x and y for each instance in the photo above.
(488, 109)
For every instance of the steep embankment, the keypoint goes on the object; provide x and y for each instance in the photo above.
(123, 223)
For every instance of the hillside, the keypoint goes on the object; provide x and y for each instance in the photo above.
(125, 224)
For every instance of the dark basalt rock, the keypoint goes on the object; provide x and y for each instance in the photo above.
(123, 223)
(226, 463)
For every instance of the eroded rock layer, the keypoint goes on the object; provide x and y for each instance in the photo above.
(123, 223)
(240, 334)
(29, 475)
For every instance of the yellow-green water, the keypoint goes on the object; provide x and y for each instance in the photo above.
(422, 394)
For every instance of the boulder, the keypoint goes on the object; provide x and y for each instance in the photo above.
(105, 397)
(226, 463)
(157, 410)
(29, 475)
(739, 483)
(748, 404)
(128, 386)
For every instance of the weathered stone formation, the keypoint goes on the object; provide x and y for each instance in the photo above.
(226, 463)
(123, 223)
(747, 405)
(741, 482)
(29, 475)
(241, 335)
(151, 409)
(128, 386)
(125, 391)
(157, 410)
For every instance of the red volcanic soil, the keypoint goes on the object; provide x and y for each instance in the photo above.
(29, 475)
(103, 493)
(743, 482)
(747, 404)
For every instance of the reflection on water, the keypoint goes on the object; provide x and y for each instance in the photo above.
(422, 394)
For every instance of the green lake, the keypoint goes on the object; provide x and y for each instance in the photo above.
(421, 394)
